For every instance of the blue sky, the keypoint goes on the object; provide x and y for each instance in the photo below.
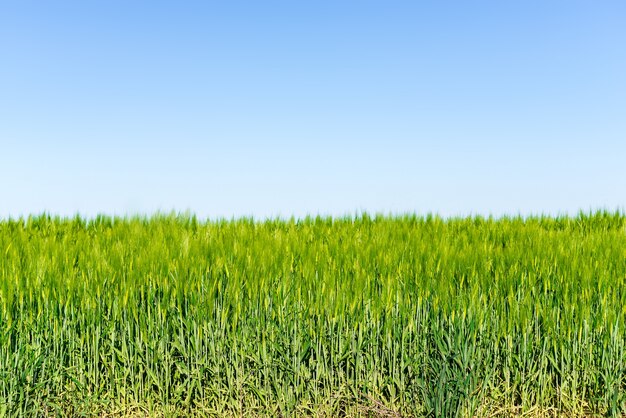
(293, 108)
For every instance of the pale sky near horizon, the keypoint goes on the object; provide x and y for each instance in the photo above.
(293, 108)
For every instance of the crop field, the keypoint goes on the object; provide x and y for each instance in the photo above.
(381, 316)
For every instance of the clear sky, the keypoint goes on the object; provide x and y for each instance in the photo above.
(270, 108)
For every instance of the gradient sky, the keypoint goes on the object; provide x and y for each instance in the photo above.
(273, 108)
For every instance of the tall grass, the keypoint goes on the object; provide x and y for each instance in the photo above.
(417, 316)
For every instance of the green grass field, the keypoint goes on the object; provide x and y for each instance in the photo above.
(365, 316)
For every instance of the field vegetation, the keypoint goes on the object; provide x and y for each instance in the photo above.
(357, 316)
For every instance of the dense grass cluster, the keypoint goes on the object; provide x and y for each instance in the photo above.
(408, 315)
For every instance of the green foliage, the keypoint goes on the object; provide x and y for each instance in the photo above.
(423, 316)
